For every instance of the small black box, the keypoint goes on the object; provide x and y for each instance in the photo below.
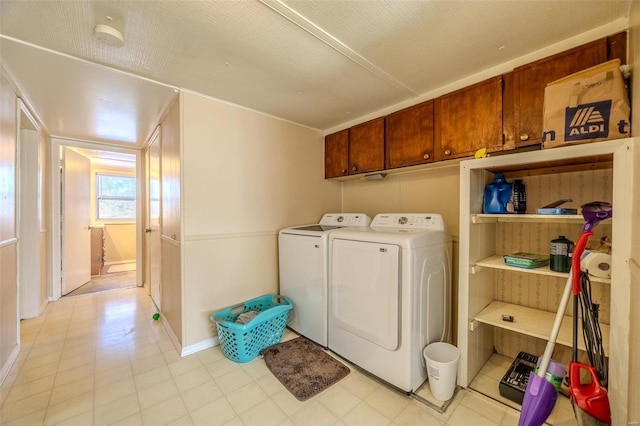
(514, 382)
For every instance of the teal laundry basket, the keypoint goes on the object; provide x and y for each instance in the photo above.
(243, 342)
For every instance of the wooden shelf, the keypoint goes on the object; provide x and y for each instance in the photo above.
(526, 218)
(536, 323)
(497, 262)
(487, 383)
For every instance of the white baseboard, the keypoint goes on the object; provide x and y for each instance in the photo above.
(119, 262)
(43, 305)
(4, 372)
(205, 344)
(170, 333)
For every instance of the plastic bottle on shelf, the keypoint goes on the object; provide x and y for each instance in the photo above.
(497, 196)
(561, 251)
(519, 197)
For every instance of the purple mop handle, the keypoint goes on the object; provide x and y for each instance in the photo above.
(555, 330)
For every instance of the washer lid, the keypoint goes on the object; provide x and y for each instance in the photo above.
(314, 228)
(330, 222)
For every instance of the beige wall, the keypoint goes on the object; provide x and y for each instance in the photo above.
(119, 242)
(424, 191)
(9, 343)
(245, 176)
(634, 341)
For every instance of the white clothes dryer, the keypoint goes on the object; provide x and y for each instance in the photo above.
(390, 287)
(304, 269)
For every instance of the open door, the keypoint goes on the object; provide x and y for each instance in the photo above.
(153, 228)
(76, 220)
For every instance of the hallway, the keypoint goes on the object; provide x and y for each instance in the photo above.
(101, 359)
(106, 282)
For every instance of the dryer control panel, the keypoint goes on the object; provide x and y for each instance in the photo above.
(431, 221)
(345, 219)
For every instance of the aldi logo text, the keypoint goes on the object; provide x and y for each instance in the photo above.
(587, 121)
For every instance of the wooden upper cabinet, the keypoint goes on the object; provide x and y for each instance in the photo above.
(469, 119)
(336, 154)
(617, 47)
(366, 147)
(529, 82)
(409, 136)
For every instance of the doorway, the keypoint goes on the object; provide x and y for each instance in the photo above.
(96, 218)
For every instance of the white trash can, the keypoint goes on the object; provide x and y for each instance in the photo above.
(442, 368)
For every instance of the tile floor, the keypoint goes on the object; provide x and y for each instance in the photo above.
(106, 282)
(100, 359)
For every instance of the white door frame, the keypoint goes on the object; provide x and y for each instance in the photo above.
(29, 290)
(151, 232)
(54, 170)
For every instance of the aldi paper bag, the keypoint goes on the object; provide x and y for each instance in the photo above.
(588, 106)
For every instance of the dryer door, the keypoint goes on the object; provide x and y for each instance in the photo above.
(365, 288)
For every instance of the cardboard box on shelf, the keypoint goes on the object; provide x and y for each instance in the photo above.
(589, 106)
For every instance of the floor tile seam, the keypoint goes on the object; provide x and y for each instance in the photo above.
(31, 412)
(66, 337)
(391, 419)
(319, 399)
(487, 400)
(380, 412)
(21, 364)
(13, 385)
(71, 346)
(340, 418)
(49, 406)
(430, 411)
(61, 359)
(95, 405)
(138, 388)
(5, 384)
(96, 387)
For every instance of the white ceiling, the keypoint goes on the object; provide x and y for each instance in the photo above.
(319, 63)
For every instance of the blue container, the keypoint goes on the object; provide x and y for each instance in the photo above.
(497, 196)
(243, 342)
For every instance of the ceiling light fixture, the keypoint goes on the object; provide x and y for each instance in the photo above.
(108, 35)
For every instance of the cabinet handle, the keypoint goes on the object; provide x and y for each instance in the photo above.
(344, 171)
(426, 156)
(524, 137)
(447, 152)
(147, 230)
(354, 168)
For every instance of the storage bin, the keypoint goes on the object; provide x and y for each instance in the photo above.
(243, 342)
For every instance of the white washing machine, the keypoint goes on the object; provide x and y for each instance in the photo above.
(304, 270)
(389, 288)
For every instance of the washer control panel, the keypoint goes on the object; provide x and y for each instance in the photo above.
(345, 219)
(409, 221)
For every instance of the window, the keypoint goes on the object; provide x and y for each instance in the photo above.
(115, 197)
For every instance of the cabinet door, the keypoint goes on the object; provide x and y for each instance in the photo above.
(409, 136)
(529, 82)
(366, 147)
(336, 152)
(469, 119)
(617, 47)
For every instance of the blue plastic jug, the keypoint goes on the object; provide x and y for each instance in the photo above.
(497, 196)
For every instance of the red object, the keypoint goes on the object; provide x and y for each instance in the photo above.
(589, 397)
(578, 249)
